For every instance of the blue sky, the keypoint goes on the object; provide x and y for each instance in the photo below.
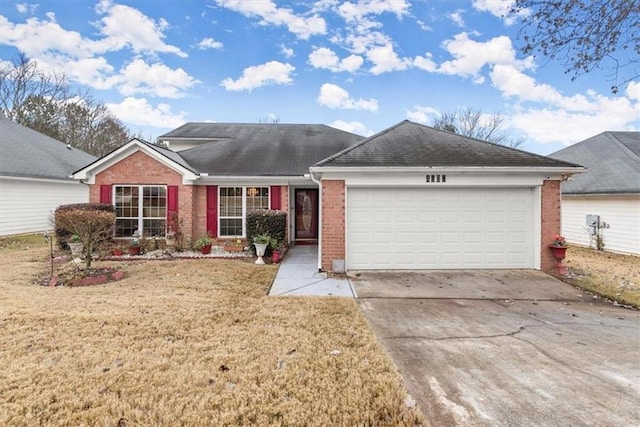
(361, 66)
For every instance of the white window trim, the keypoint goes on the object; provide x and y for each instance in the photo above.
(244, 208)
(141, 216)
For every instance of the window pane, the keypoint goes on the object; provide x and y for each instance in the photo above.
(257, 198)
(231, 201)
(126, 227)
(154, 203)
(231, 227)
(154, 227)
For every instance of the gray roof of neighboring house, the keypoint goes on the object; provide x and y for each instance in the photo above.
(29, 154)
(409, 144)
(613, 160)
(259, 149)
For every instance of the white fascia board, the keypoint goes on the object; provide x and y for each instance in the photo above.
(418, 178)
(446, 169)
(51, 180)
(88, 174)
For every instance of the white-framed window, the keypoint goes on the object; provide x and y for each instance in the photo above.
(141, 207)
(234, 203)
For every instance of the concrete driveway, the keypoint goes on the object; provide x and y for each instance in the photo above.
(506, 348)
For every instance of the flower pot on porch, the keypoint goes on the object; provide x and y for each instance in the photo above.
(276, 256)
(206, 249)
(134, 250)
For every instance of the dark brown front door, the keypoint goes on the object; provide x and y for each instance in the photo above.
(306, 214)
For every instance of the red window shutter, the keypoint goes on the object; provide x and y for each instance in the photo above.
(212, 210)
(105, 194)
(275, 197)
(172, 206)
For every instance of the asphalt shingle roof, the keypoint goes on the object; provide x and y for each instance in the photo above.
(30, 154)
(259, 149)
(409, 144)
(612, 160)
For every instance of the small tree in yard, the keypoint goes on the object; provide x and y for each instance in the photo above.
(94, 228)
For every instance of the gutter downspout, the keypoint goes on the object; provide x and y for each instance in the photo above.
(318, 181)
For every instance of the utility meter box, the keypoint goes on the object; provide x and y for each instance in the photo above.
(593, 222)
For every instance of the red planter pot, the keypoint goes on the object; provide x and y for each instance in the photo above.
(559, 252)
(134, 250)
(206, 249)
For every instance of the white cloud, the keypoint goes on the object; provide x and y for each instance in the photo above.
(209, 43)
(546, 115)
(358, 11)
(471, 56)
(385, 59)
(287, 52)
(327, 59)
(633, 90)
(271, 73)
(456, 17)
(500, 9)
(271, 14)
(354, 127)
(125, 26)
(422, 114)
(138, 77)
(138, 111)
(26, 7)
(334, 96)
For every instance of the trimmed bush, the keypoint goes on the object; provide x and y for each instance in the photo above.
(93, 228)
(62, 234)
(264, 221)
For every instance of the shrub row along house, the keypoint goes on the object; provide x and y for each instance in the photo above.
(409, 197)
(35, 178)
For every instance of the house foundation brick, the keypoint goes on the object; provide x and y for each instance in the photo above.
(333, 222)
(551, 222)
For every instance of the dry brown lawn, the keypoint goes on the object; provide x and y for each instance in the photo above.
(190, 342)
(613, 276)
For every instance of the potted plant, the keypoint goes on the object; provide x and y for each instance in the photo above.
(134, 246)
(559, 247)
(76, 246)
(117, 251)
(203, 244)
(261, 242)
(277, 251)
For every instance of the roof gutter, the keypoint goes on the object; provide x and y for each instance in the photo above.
(459, 169)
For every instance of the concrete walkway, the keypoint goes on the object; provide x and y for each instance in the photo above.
(298, 276)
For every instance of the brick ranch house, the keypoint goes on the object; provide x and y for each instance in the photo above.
(409, 197)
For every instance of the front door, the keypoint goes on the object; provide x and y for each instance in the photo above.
(306, 214)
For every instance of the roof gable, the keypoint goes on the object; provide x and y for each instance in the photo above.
(613, 160)
(409, 144)
(30, 154)
(160, 154)
(259, 149)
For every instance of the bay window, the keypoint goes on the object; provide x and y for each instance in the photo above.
(141, 207)
(234, 205)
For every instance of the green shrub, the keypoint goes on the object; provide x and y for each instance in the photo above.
(62, 234)
(269, 222)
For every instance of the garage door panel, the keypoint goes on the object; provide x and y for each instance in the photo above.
(436, 228)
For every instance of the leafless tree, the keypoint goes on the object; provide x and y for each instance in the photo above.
(475, 124)
(583, 34)
(47, 103)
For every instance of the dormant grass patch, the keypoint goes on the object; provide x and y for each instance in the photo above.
(190, 342)
(611, 275)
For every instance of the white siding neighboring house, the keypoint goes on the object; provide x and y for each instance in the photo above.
(610, 190)
(35, 178)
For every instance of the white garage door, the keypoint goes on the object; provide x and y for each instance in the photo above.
(439, 228)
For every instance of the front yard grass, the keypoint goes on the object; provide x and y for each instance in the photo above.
(189, 342)
(610, 275)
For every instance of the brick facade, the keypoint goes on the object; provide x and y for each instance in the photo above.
(333, 223)
(551, 222)
(141, 169)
